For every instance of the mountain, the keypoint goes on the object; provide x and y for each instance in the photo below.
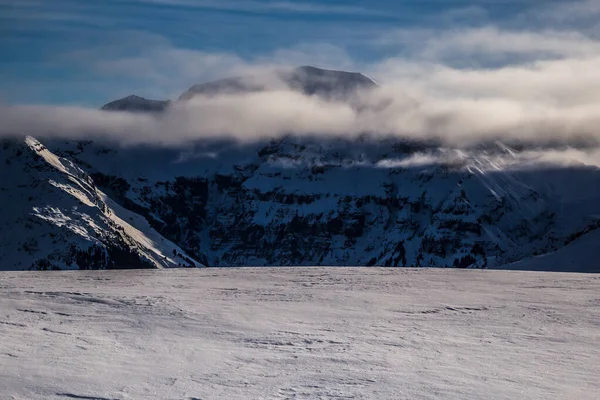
(308, 80)
(55, 217)
(292, 201)
(580, 255)
(296, 201)
(136, 104)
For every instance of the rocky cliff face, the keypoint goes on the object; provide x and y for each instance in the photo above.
(338, 202)
(286, 202)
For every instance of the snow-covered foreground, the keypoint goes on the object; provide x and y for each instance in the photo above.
(299, 333)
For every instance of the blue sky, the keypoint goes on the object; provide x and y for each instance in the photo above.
(84, 52)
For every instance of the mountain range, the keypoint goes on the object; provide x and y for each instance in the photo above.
(335, 201)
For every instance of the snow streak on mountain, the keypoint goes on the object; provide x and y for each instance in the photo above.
(291, 201)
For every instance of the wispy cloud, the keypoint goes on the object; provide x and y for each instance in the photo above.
(34, 16)
(489, 43)
(21, 3)
(161, 69)
(267, 6)
(496, 158)
(572, 11)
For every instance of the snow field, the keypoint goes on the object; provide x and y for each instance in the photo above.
(299, 333)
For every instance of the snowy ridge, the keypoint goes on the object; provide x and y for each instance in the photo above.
(80, 227)
(150, 244)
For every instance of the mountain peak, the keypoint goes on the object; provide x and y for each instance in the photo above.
(306, 79)
(312, 70)
(312, 80)
(134, 103)
(134, 97)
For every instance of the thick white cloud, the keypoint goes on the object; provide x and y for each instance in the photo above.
(456, 120)
(246, 117)
(480, 44)
(503, 158)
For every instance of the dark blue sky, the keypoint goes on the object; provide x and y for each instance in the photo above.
(89, 52)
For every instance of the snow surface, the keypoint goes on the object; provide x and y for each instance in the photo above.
(297, 333)
(582, 255)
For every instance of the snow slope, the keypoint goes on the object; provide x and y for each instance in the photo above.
(582, 255)
(299, 333)
(54, 217)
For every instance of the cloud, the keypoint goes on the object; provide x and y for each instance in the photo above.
(324, 55)
(572, 11)
(457, 121)
(273, 114)
(461, 87)
(245, 117)
(500, 158)
(535, 85)
(268, 6)
(414, 161)
(152, 64)
(489, 45)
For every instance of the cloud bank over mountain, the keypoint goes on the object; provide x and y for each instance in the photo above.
(534, 81)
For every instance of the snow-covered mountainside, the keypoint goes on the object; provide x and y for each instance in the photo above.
(300, 201)
(293, 201)
(54, 217)
(580, 255)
